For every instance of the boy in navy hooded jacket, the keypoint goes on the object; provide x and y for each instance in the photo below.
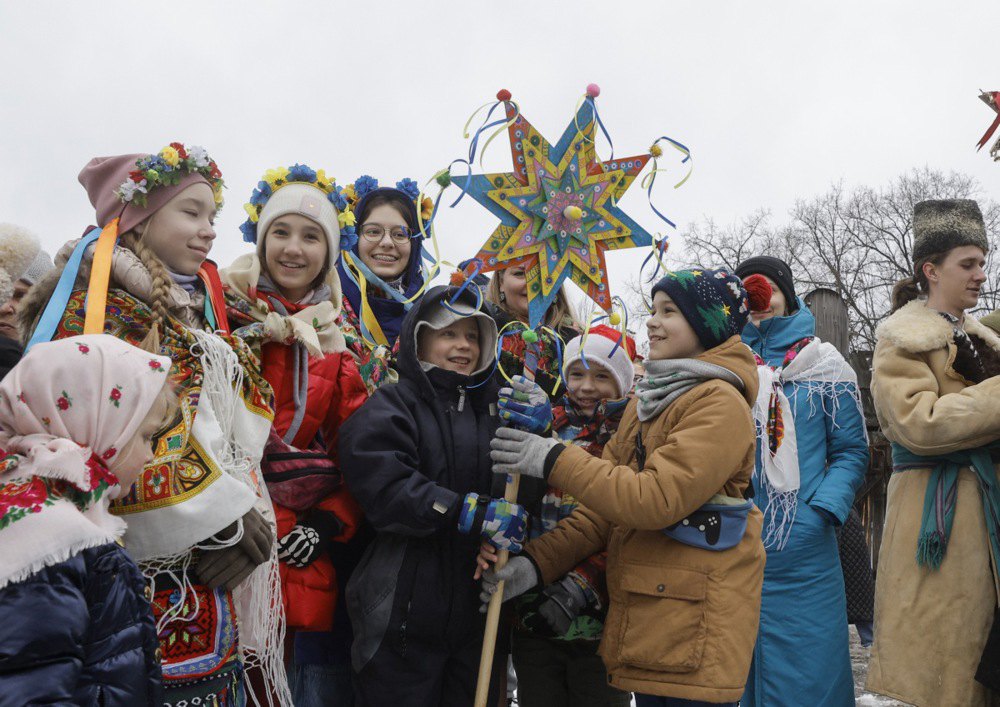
(416, 458)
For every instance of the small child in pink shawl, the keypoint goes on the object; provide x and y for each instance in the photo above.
(77, 419)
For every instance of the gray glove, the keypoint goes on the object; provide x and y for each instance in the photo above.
(516, 451)
(518, 575)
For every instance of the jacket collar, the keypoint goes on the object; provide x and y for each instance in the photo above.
(917, 329)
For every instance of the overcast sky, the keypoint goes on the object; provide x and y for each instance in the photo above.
(775, 99)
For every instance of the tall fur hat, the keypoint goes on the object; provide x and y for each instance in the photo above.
(942, 224)
(18, 247)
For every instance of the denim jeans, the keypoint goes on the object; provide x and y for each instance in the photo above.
(321, 685)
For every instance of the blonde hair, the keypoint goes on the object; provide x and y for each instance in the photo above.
(559, 314)
(159, 294)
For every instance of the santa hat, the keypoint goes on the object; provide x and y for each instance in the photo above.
(601, 348)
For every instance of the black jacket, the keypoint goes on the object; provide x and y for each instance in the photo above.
(10, 354)
(409, 456)
(80, 632)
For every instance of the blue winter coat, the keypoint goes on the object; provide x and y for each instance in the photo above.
(80, 632)
(802, 655)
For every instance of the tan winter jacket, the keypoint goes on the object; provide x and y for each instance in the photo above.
(682, 621)
(931, 625)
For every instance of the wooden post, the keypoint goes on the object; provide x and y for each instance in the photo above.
(496, 601)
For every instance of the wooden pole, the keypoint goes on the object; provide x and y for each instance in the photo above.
(496, 601)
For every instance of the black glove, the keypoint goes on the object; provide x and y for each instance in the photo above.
(307, 540)
(561, 603)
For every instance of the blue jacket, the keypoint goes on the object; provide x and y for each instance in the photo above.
(80, 632)
(803, 645)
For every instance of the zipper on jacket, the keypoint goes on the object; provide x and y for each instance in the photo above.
(461, 399)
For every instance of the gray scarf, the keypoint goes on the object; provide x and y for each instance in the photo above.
(668, 379)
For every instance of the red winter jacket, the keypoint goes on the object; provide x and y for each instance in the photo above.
(335, 391)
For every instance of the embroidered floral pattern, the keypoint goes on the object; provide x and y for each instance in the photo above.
(115, 396)
(64, 401)
(83, 348)
(21, 499)
(156, 366)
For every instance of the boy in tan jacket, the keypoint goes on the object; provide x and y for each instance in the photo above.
(685, 560)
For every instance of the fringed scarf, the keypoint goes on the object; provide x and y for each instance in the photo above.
(819, 368)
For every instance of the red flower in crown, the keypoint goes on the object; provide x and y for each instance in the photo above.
(179, 146)
(214, 170)
(83, 348)
(137, 175)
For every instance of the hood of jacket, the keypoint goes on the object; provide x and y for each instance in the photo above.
(774, 336)
(407, 362)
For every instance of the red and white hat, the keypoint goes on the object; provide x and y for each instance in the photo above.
(601, 341)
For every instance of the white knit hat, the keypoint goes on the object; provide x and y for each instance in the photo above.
(39, 266)
(18, 247)
(597, 349)
(304, 200)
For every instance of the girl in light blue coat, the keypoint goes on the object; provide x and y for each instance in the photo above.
(812, 455)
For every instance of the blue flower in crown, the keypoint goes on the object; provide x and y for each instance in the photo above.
(348, 239)
(337, 198)
(261, 194)
(409, 187)
(301, 173)
(365, 184)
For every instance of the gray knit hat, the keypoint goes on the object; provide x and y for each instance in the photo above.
(942, 224)
(39, 266)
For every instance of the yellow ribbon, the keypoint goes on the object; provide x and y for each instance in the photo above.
(100, 276)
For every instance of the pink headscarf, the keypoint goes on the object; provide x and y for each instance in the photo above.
(103, 175)
(66, 402)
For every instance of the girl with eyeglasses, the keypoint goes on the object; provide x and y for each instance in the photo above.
(381, 275)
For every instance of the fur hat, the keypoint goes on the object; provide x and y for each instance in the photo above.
(942, 224)
(18, 248)
(601, 341)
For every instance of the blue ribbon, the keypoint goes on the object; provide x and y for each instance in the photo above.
(600, 124)
(53, 314)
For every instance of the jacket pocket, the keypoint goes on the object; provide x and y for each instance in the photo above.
(663, 627)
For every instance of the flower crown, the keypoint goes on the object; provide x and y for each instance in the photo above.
(276, 178)
(364, 185)
(166, 169)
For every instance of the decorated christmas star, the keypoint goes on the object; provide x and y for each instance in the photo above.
(558, 208)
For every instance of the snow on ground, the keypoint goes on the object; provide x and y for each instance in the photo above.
(859, 663)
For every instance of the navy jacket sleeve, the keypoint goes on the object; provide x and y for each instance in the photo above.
(846, 453)
(380, 460)
(45, 619)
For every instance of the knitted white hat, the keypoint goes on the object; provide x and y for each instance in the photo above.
(39, 266)
(304, 200)
(597, 349)
(18, 247)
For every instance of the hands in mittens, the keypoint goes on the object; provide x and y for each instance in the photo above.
(502, 523)
(525, 406)
(518, 575)
(516, 451)
(309, 538)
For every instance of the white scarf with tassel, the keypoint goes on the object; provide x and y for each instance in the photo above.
(821, 370)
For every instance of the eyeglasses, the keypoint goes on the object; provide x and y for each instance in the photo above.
(374, 233)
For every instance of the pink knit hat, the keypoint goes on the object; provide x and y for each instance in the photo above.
(103, 175)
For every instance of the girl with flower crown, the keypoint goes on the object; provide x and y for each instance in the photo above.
(197, 516)
(380, 274)
(284, 300)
